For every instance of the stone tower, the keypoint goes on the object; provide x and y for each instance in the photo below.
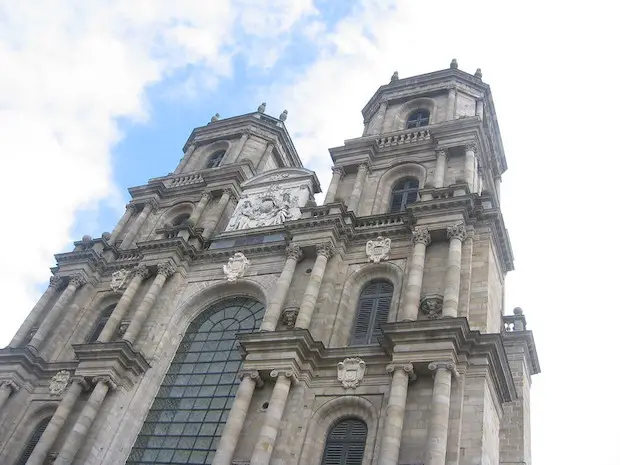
(228, 319)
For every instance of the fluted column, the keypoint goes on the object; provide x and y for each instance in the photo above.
(337, 174)
(164, 271)
(118, 229)
(111, 326)
(206, 197)
(35, 314)
(232, 431)
(306, 309)
(437, 435)
(358, 186)
(54, 427)
(470, 165)
(7, 387)
(46, 326)
(239, 146)
(82, 425)
(272, 315)
(131, 234)
(456, 236)
(215, 215)
(440, 168)
(402, 373)
(186, 156)
(415, 274)
(273, 416)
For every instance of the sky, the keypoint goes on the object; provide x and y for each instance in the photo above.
(98, 96)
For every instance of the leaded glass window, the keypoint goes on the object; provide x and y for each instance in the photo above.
(418, 118)
(373, 308)
(345, 443)
(190, 410)
(404, 193)
(34, 439)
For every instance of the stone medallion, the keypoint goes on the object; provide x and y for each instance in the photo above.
(236, 266)
(119, 279)
(351, 372)
(378, 249)
(59, 382)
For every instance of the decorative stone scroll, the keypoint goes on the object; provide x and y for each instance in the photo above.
(59, 382)
(351, 372)
(378, 249)
(119, 279)
(236, 266)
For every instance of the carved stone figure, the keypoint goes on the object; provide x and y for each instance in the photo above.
(59, 382)
(119, 279)
(431, 306)
(236, 266)
(351, 372)
(289, 317)
(378, 249)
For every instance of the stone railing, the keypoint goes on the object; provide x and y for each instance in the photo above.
(380, 221)
(127, 255)
(514, 322)
(403, 137)
(184, 180)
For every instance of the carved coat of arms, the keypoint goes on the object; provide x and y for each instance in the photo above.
(236, 266)
(378, 249)
(119, 278)
(351, 372)
(59, 382)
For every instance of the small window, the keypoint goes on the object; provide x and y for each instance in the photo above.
(418, 118)
(345, 443)
(101, 322)
(34, 439)
(181, 220)
(215, 159)
(405, 192)
(373, 308)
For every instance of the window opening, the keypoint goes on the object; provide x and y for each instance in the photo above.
(418, 118)
(373, 309)
(405, 192)
(345, 443)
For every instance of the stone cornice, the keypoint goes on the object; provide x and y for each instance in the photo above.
(526, 338)
(177, 245)
(27, 366)
(88, 257)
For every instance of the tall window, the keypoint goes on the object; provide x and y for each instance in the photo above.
(418, 118)
(372, 311)
(404, 193)
(34, 439)
(345, 443)
(101, 322)
(190, 410)
(215, 159)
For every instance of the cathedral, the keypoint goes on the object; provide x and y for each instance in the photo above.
(228, 319)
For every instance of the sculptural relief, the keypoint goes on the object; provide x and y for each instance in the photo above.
(351, 372)
(236, 266)
(378, 249)
(59, 382)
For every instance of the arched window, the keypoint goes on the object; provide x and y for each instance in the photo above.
(373, 308)
(345, 443)
(190, 410)
(181, 219)
(404, 193)
(418, 118)
(101, 322)
(34, 439)
(215, 159)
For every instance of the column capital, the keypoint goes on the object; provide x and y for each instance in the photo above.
(326, 249)
(207, 195)
(191, 147)
(284, 372)
(55, 282)
(151, 203)
(471, 147)
(406, 367)
(456, 231)
(421, 235)
(9, 384)
(131, 206)
(166, 268)
(365, 166)
(143, 271)
(445, 364)
(338, 171)
(105, 379)
(252, 374)
(294, 251)
(441, 152)
(81, 381)
(77, 280)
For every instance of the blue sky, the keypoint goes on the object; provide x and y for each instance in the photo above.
(114, 88)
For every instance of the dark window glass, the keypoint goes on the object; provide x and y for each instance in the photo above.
(345, 443)
(404, 193)
(101, 322)
(373, 308)
(34, 439)
(216, 159)
(181, 219)
(190, 410)
(418, 118)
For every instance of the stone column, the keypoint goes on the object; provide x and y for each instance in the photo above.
(402, 373)
(75, 282)
(110, 328)
(7, 387)
(215, 215)
(440, 168)
(269, 431)
(437, 436)
(130, 209)
(82, 425)
(306, 309)
(377, 127)
(131, 234)
(164, 271)
(451, 108)
(35, 314)
(358, 186)
(456, 236)
(480, 108)
(470, 165)
(206, 197)
(239, 146)
(186, 156)
(54, 427)
(498, 186)
(264, 158)
(272, 315)
(415, 274)
(337, 175)
(236, 418)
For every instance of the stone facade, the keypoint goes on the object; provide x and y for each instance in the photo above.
(445, 381)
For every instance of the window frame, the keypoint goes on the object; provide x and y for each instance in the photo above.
(102, 320)
(345, 443)
(215, 159)
(421, 121)
(405, 192)
(33, 440)
(380, 305)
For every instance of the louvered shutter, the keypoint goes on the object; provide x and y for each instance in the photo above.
(34, 439)
(101, 322)
(372, 311)
(397, 201)
(345, 443)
